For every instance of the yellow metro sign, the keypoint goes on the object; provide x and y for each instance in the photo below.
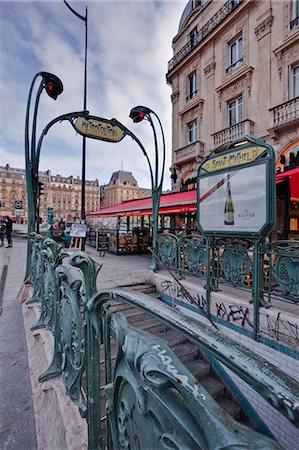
(232, 159)
(98, 128)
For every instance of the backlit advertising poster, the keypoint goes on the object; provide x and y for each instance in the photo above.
(234, 201)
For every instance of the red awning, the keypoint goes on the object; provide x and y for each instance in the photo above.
(293, 176)
(178, 202)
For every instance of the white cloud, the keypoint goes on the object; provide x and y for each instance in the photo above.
(129, 45)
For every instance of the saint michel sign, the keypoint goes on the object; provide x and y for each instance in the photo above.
(98, 128)
(236, 190)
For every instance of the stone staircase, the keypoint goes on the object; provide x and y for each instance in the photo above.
(186, 351)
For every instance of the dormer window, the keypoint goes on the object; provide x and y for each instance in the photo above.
(193, 37)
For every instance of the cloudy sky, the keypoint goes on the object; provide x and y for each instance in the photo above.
(129, 45)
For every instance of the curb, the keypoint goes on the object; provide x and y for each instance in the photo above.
(58, 423)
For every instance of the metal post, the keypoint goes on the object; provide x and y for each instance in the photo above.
(83, 214)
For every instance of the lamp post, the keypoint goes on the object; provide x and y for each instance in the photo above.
(84, 18)
(54, 87)
(138, 114)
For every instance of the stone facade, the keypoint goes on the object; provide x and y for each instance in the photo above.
(63, 193)
(235, 71)
(121, 187)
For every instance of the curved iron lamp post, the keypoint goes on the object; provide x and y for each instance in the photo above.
(138, 114)
(54, 87)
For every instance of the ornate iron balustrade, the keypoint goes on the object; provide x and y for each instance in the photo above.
(231, 262)
(190, 151)
(207, 29)
(246, 127)
(285, 113)
(148, 387)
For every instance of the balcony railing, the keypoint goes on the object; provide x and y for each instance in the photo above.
(285, 113)
(210, 26)
(246, 127)
(190, 151)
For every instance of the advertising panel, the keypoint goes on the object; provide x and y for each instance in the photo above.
(234, 201)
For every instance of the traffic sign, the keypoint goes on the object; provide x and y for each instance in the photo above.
(18, 204)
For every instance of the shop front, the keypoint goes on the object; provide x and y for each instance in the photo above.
(129, 223)
(287, 187)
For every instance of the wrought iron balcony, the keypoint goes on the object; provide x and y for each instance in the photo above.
(190, 151)
(210, 26)
(285, 113)
(234, 132)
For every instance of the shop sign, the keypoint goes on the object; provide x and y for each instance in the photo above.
(98, 128)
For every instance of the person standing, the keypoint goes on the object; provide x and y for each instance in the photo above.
(2, 231)
(8, 222)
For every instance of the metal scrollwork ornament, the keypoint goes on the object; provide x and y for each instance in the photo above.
(194, 254)
(286, 272)
(168, 249)
(235, 263)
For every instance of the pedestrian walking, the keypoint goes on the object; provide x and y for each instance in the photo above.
(8, 223)
(2, 231)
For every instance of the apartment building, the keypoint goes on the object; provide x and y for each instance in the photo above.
(62, 193)
(121, 187)
(235, 72)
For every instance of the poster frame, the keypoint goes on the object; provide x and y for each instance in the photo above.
(267, 157)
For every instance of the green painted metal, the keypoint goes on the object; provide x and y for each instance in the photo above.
(156, 172)
(168, 249)
(151, 389)
(285, 268)
(73, 340)
(148, 388)
(235, 263)
(193, 254)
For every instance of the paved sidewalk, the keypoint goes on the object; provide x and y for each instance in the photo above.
(17, 425)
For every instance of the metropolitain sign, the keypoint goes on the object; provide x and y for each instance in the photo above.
(98, 128)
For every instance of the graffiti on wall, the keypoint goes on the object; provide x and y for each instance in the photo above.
(175, 290)
(282, 330)
(234, 313)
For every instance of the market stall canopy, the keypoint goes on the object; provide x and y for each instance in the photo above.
(178, 202)
(293, 176)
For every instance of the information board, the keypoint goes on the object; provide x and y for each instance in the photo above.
(78, 230)
(102, 241)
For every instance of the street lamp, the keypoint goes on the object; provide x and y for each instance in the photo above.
(84, 18)
(138, 114)
(54, 87)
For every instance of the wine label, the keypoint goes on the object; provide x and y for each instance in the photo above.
(229, 218)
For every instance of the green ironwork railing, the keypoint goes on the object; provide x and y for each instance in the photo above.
(130, 400)
(231, 262)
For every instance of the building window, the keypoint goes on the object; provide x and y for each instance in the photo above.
(235, 111)
(235, 54)
(295, 14)
(191, 85)
(294, 91)
(193, 37)
(192, 132)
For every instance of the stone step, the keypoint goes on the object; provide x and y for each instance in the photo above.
(186, 351)
(214, 387)
(199, 368)
(234, 410)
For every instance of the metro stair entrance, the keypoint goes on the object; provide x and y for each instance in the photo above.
(188, 353)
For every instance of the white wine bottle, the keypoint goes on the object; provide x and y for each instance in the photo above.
(229, 216)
